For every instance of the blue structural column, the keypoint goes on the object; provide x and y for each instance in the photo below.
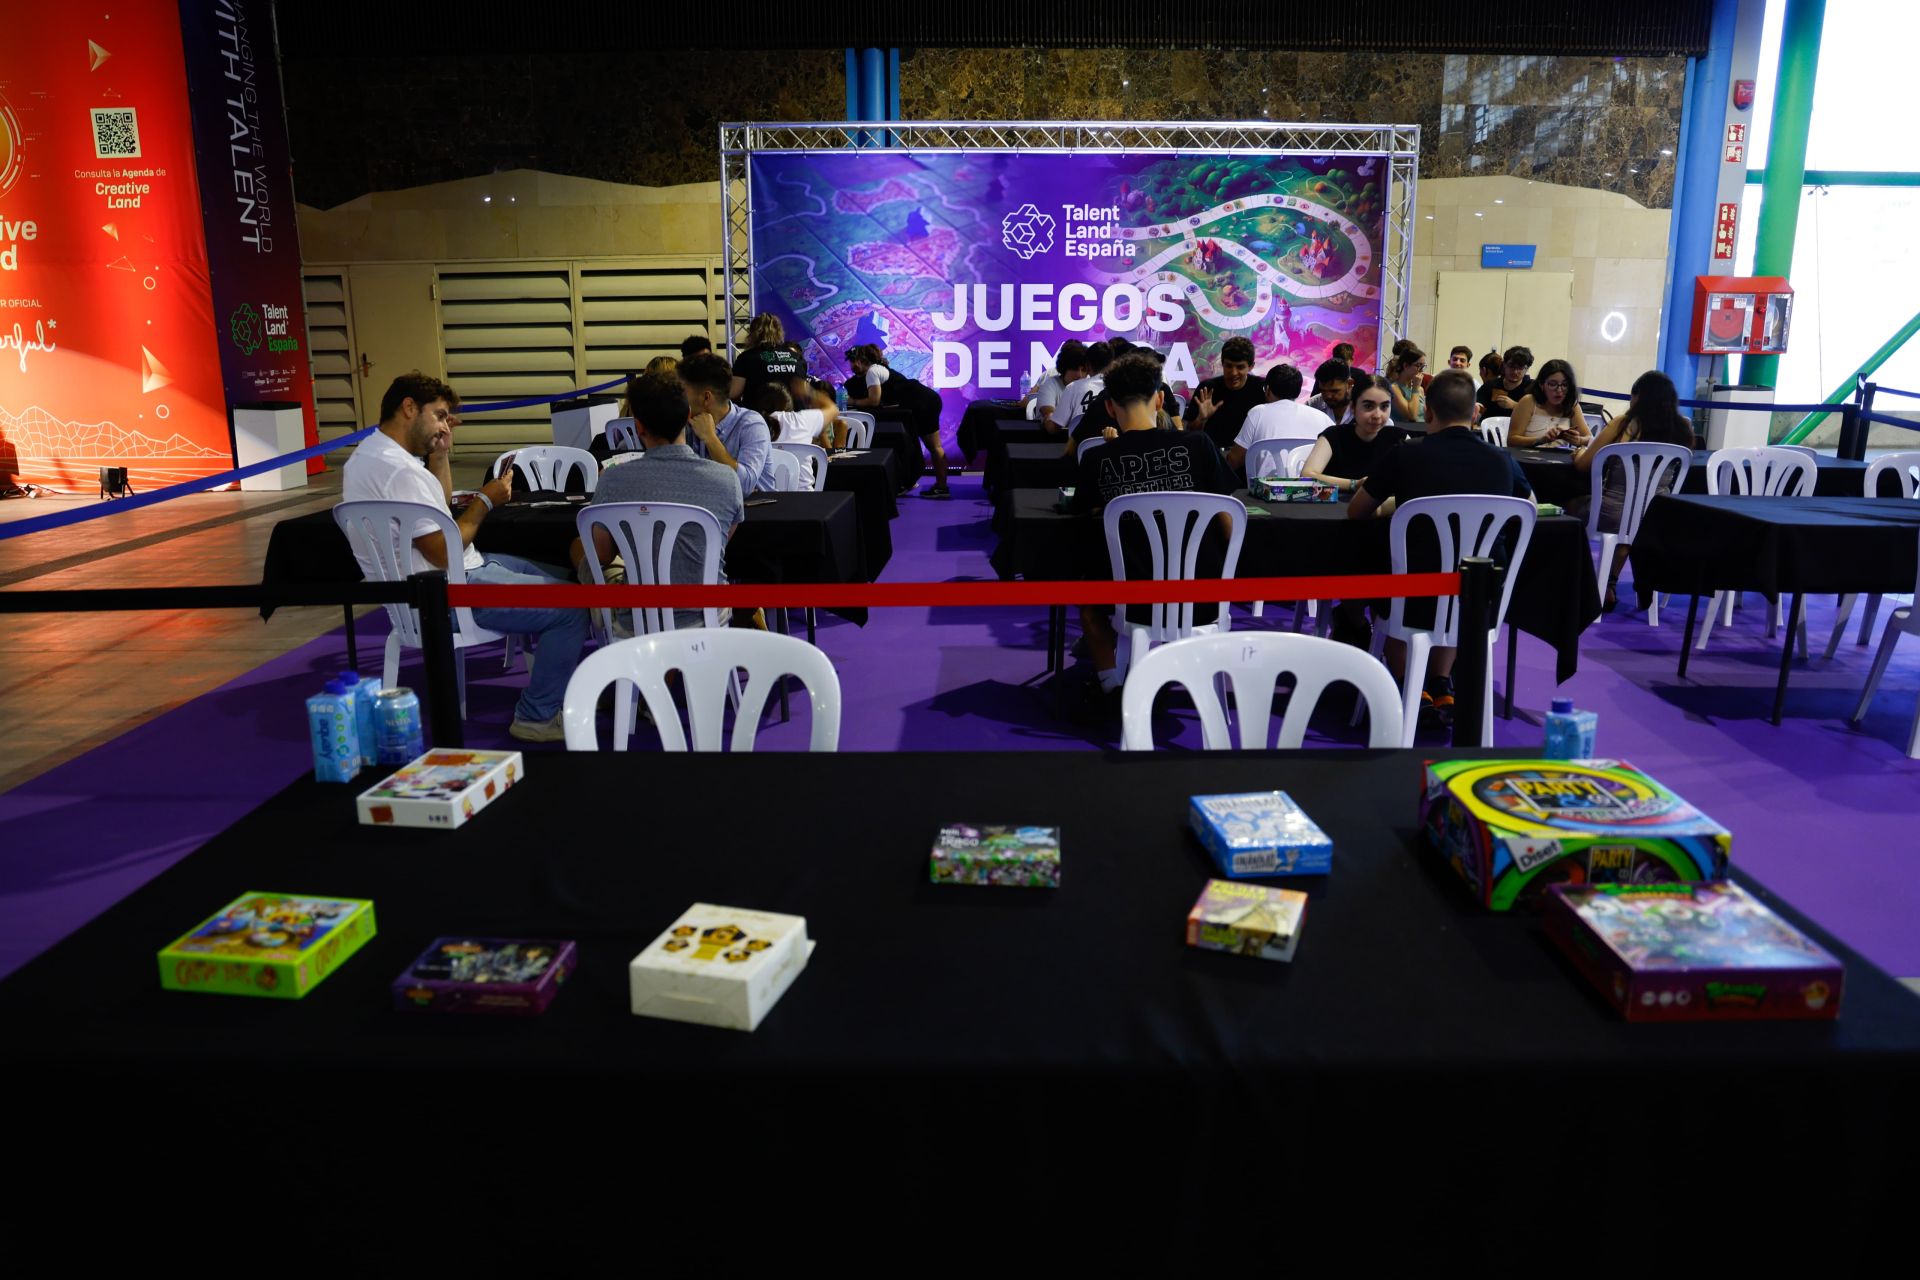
(1695, 193)
(873, 88)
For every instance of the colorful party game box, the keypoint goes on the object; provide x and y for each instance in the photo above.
(1260, 833)
(1025, 857)
(268, 944)
(485, 975)
(1691, 952)
(1511, 828)
(1287, 489)
(720, 966)
(443, 788)
(1247, 920)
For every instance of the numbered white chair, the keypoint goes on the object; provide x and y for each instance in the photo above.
(1091, 442)
(1463, 525)
(546, 466)
(1643, 468)
(813, 458)
(384, 533)
(1494, 431)
(623, 436)
(709, 662)
(1174, 525)
(1269, 457)
(1906, 466)
(1253, 665)
(859, 428)
(788, 473)
(1902, 621)
(1769, 471)
(644, 535)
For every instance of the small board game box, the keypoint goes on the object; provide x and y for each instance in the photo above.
(1260, 833)
(719, 966)
(1692, 952)
(443, 788)
(280, 945)
(485, 975)
(1511, 828)
(1286, 489)
(1247, 920)
(1026, 857)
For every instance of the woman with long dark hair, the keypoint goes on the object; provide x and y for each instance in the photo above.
(1550, 413)
(885, 386)
(1653, 415)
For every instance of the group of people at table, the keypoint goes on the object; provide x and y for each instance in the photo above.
(707, 430)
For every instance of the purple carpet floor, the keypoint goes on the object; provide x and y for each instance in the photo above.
(1822, 812)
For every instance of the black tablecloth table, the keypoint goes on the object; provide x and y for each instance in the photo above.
(893, 429)
(1554, 597)
(1694, 545)
(1064, 1047)
(1553, 477)
(1006, 433)
(1040, 465)
(869, 476)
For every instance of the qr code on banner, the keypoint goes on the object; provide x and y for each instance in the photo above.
(116, 133)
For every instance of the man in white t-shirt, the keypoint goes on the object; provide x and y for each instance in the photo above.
(1049, 403)
(405, 460)
(1282, 417)
(1080, 394)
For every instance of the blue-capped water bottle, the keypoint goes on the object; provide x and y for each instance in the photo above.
(333, 729)
(1569, 732)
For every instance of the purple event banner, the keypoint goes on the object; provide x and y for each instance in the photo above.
(970, 269)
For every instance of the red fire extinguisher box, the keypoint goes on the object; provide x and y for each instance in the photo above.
(1740, 315)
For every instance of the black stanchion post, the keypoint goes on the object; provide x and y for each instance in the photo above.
(1853, 434)
(436, 647)
(1863, 427)
(1472, 681)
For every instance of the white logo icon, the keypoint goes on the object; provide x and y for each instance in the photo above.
(1027, 231)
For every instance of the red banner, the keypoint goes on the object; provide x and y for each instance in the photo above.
(107, 353)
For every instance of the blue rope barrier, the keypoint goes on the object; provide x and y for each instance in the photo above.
(491, 406)
(1889, 421)
(1895, 391)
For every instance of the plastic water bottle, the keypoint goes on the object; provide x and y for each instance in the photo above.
(840, 396)
(1026, 384)
(333, 730)
(1569, 732)
(364, 690)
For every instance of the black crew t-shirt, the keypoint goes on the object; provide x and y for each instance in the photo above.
(1230, 407)
(761, 366)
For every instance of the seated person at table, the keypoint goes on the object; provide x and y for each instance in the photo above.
(1282, 417)
(1460, 358)
(1071, 365)
(693, 344)
(1550, 413)
(1078, 396)
(722, 430)
(1333, 390)
(1144, 457)
(1099, 420)
(1347, 453)
(1497, 399)
(882, 386)
(819, 423)
(406, 461)
(671, 472)
(1653, 416)
(1451, 459)
(1406, 382)
(1342, 351)
(769, 358)
(1220, 405)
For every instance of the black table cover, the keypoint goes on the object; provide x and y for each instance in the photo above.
(869, 477)
(1696, 545)
(1060, 1057)
(1004, 434)
(893, 430)
(1554, 479)
(1554, 597)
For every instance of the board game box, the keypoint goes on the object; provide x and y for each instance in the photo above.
(1692, 952)
(485, 975)
(719, 966)
(1511, 828)
(1026, 857)
(280, 945)
(443, 788)
(1247, 920)
(1289, 489)
(1260, 833)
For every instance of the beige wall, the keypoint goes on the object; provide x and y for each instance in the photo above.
(1615, 248)
(518, 214)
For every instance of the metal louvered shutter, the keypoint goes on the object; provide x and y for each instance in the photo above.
(508, 332)
(336, 397)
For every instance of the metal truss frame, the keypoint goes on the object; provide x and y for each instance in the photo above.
(1397, 144)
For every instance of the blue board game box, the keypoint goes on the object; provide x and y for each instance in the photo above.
(1260, 833)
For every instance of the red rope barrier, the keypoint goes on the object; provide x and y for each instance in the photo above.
(872, 595)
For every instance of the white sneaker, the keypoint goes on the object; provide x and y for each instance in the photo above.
(553, 730)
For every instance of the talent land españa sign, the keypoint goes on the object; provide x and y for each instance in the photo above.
(971, 269)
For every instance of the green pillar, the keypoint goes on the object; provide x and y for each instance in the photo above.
(1786, 158)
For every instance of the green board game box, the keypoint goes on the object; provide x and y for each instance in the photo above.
(278, 945)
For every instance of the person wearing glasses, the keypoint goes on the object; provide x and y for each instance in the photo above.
(1550, 415)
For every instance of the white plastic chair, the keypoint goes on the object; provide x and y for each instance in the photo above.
(1296, 460)
(859, 428)
(788, 473)
(623, 436)
(644, 535)
(1766, 471)
(1175, 524)
(1907, 467)
(1642, 467)
(1902, 621)
(1253, 665)
(1293, 457)
(1494, 431)
(384, 531)
(708, 661)
(1269, 457)
(546, 465)
(1091, 442)
(1464, 525)
(813, 458)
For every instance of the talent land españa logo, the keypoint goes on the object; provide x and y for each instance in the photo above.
(245, 328)
(1027, 231)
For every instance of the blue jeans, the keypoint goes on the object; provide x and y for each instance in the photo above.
(562, 632)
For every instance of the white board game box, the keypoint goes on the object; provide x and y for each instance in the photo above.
(719, 966)
(443, 788)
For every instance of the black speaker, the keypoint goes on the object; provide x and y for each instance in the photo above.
(113, 482)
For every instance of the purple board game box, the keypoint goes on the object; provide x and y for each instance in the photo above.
(485, 975)
(1692, 952)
